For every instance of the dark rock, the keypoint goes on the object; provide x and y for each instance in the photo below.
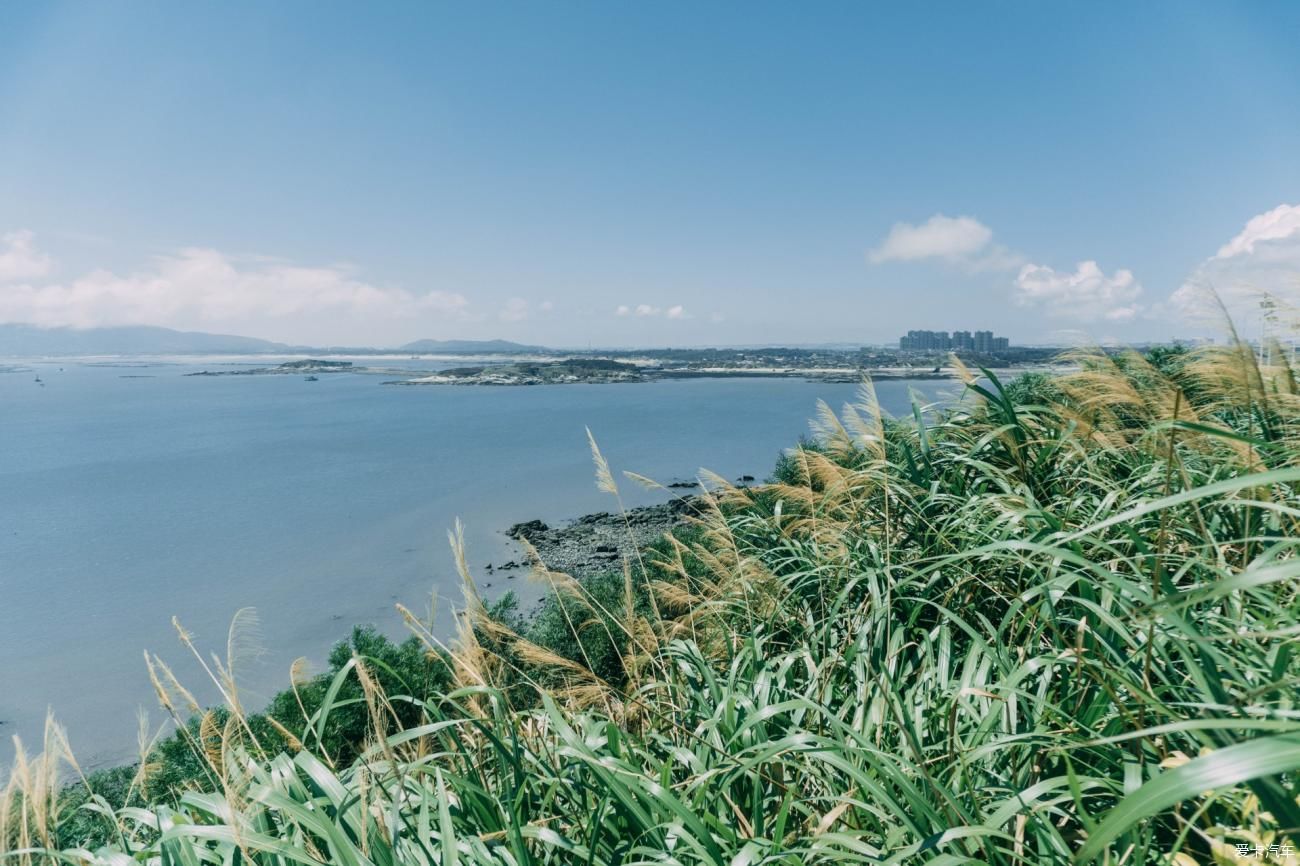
(594, 543)
(527, 530)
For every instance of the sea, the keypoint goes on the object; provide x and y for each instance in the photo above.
(132, 494)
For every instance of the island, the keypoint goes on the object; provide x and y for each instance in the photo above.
(563, 372)
(603, 367)
(307, 365)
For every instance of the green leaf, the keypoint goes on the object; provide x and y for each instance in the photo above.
(1233, 765)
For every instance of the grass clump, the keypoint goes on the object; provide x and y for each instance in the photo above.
(1053, 623)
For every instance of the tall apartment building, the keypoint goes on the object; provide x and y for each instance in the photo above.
(925, 341)
(941, 341)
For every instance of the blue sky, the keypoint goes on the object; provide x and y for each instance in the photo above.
(661, 174)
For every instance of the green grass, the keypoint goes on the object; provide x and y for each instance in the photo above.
(1055, 623)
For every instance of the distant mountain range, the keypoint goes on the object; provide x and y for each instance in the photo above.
(20, 340)
(469, 346)
(17, 340)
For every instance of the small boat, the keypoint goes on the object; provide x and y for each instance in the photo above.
(312, 379)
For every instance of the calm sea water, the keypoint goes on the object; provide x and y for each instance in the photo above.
(130, 494)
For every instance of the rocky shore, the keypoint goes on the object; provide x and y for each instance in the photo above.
(566, 372)
(595, 543)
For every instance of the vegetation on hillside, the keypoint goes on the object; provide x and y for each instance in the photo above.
(1053, 623)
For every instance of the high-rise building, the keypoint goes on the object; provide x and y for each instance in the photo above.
(981, 342)
(925, 341)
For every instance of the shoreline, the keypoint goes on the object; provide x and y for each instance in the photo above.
(594, 543)
(585, 372)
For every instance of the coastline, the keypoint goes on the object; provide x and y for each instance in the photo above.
(594, 543)
(607, 372)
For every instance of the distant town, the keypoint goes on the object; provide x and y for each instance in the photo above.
(919, 354)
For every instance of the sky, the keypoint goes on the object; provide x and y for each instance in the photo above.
(667, 174)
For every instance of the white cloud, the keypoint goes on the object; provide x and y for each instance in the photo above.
(546, 306)
(1086, 295)
(1261, 261)
(515, 310)
(962, 241)
(19, 258)
(647, 311)
(1280, 223)
(938, 237)
(203, 289)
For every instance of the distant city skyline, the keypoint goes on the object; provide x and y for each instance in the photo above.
(666, 175)
(973, 341)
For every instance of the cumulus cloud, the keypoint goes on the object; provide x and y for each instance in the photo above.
(938, 237)
(1085, 294)
(963, 241)
(1279, 224)
(546, 306)
(1262, 261)
(647, 311)
(19, 258)
(204, 289)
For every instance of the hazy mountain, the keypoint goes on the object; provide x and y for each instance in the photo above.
(17, 340)
(27, 340)
(468, 346)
